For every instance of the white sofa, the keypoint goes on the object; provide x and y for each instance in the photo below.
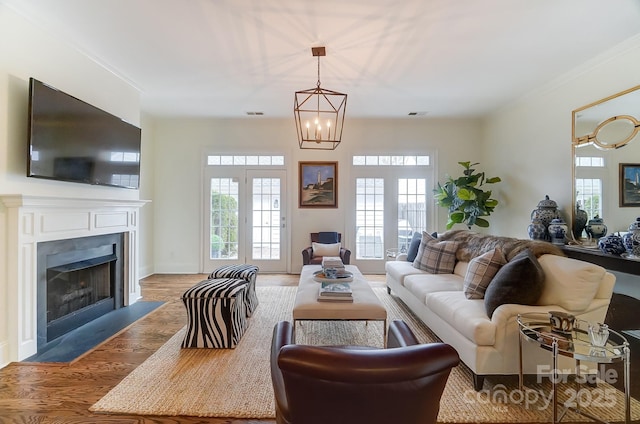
(489, 346)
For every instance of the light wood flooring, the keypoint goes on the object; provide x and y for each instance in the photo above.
(62, 393)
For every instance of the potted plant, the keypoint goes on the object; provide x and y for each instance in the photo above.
(464, 199)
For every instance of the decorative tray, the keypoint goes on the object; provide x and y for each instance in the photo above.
(342, 277)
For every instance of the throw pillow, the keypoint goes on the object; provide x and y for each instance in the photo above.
(323, 249)
(481, 271)
(436, 257)
(328, 237)
(569, 283)
(520, 281)
(412, 251)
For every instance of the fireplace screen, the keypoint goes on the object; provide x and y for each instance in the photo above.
(79, 280)
(73, 287)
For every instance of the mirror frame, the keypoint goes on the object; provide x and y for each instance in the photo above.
(592, 138)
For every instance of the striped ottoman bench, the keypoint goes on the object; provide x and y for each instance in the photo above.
(216, 313)
(249, 273)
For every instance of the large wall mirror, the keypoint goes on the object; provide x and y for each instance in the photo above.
(606, 153)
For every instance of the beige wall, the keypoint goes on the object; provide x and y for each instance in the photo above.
(180, 146)
(528, 143)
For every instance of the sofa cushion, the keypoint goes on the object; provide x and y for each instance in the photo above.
(569, 283)
(481, 271)
(325, 249)
(467, 316)
(520, 281)
(399, 270)
(436, 257)
(422, 284)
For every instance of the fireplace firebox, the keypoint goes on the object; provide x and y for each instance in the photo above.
(79, 280)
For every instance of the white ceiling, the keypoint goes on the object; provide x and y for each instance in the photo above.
(229, 57)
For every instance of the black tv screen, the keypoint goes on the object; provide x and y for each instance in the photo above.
(70, 140)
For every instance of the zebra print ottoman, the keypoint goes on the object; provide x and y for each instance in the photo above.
(249, 273)
(216, 313)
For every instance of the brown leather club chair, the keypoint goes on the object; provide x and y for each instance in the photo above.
(308, 258)
(354, 384)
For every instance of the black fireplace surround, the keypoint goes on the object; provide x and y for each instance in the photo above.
(79, 280)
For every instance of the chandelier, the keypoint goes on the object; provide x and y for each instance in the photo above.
(319, 114)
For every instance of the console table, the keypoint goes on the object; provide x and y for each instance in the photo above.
(605, 260)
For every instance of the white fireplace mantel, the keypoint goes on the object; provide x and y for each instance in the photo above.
(30, 220)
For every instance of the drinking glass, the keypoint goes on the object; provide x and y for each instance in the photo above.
(598, 334)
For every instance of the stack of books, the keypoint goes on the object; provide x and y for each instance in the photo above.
(335, 292)
(332, 262)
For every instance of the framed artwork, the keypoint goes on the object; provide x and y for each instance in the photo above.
(629, 184)
(318, 184)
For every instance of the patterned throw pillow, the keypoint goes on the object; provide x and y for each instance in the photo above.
(481, 271)
(436, 257)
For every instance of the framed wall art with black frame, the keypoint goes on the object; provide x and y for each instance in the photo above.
(318, 184)
(629, 184)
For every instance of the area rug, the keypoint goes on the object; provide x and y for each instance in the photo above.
(236, 383)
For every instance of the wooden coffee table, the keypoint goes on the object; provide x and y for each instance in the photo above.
(365, 306)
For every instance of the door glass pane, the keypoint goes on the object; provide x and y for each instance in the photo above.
(412, 205)
(266, 218)
(369, 218)
(224, 218)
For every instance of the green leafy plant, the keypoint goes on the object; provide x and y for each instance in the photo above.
(464, 199)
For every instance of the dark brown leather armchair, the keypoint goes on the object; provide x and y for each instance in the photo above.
(349, 384)
(307, 254)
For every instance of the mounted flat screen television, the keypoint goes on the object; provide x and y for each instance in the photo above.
(70, 140)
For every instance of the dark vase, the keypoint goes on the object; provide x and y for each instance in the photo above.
(595, 228)
(579, 222)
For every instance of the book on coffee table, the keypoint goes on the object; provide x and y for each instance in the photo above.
(332, 262)
(345, 299)
(335, 292)
(335, 289)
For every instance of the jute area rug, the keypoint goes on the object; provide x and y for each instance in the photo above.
(236, 383)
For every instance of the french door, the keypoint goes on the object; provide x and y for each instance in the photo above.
(244, 218)
(389, 207)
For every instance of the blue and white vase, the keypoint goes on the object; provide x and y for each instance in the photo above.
(546, 211)
(611, 244)
(558, 231)
(631, 239)
(537, 230)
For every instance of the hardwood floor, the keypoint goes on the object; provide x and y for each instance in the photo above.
(62, 393)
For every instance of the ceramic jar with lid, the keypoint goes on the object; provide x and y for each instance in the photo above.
(546, 211)
(580, 221)
(537, 230)
(595, 228)
(558, 231)
(611, 244)
(631, 239)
